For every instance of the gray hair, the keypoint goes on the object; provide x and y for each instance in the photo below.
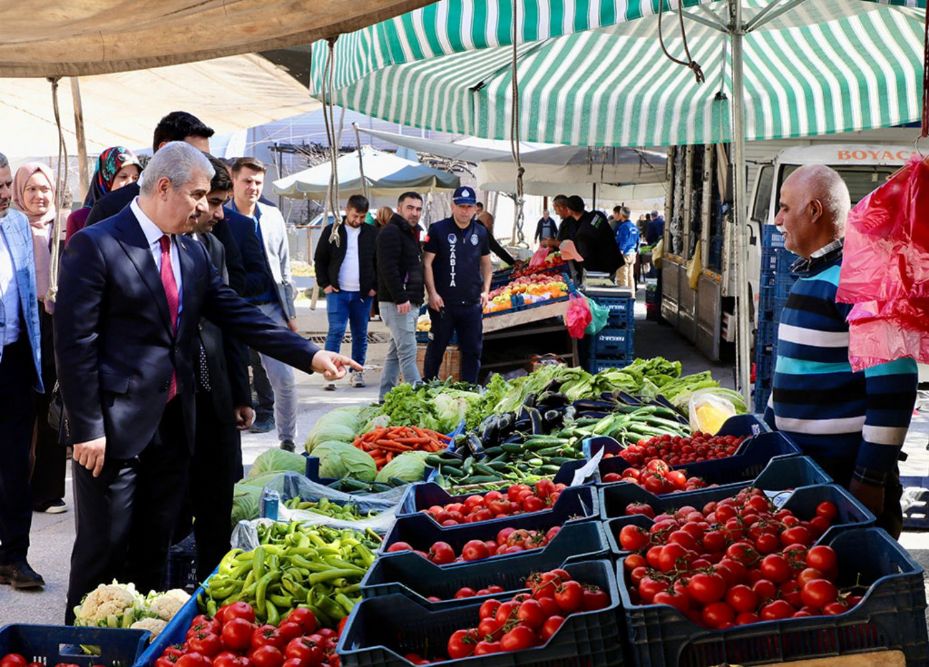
(826, 185)
(3, 161)
(177, 161)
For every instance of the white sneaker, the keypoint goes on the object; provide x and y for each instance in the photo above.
(358, 380)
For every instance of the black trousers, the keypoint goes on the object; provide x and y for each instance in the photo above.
(126, 516)
(48, 469)
(216, 467)
(264, 406)
(891, 518)
(467, 321)
(17, 377)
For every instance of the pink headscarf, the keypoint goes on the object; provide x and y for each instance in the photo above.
(41, 224)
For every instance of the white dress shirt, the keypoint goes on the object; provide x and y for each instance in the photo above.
(153, 235)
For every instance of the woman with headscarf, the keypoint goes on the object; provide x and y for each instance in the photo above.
(116, 167)
(34, 196)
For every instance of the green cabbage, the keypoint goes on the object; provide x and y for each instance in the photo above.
(246, 501)
(339, 459)
(408, 467)
(277, 460)
(329, 431)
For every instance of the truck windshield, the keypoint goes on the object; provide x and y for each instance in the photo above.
(861, 180)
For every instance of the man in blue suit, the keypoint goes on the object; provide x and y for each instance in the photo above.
(20, 373)
(132, 291)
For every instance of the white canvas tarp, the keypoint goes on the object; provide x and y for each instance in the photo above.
(84, 37)
(123, 109)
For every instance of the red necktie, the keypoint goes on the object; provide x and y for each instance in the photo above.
(170, 285)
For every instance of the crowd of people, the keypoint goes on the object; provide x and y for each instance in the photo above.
(174, 280)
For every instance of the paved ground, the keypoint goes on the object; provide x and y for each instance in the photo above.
(52, 535)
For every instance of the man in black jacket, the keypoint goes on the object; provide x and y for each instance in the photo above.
(176, 126)
(347, 273)
(400, 289)
(594, 238)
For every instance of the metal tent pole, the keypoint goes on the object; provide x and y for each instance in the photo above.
(743, 309)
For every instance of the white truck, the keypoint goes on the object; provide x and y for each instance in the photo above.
(698, 214)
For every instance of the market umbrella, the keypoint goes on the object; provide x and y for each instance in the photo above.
(773, 68)
(384, 174)
(554, 170)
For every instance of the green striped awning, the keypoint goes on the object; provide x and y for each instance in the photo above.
(824, 66)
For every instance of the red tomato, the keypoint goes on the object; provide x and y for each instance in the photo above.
(818, 593)
(461, 644)
(550, 627)
(594, 598)
(237, 633)
(304, 648)
(399, 546)
(746, 617)
(827, 510)
(640, 508)
(834, 608)
(441, 553)
(229, 659)
(203, 623)
(503, 535)
(488, 627)
(672, 557)
(13, 660)
(267, 635)
(549, 606)
(775, 568)
(717, 615)
(205, 643)
(506, 611)
(531, 613)
(569, 596)
(742, 598)
(485, 647)
(680, 600)
(633, 538)
(706, 588)
(474, 550)
(488, 608)
(239, 610)
(808, 574)
(267, 656)
(519, 638)
(532, 504)
(822, 558)
(304, 617)
(797, 535)
(193, 659)
(776, 610)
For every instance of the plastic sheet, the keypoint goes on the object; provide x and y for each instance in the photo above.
(885, 270)
(577, 317)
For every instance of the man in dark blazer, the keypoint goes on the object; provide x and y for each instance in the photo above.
(132, 291)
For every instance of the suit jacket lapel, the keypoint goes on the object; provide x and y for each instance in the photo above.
(135, 245)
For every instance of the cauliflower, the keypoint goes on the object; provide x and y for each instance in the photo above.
(166, 605)
(107, 605)
(153, 625)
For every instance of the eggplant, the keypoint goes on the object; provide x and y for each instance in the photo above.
(530, 400)
(586, 405)
(538, 428)
(593, 414)
(570, 412)
(551, 400)
(475, 445)
(506, 423)
(523, 425)
(553, 418)
(489, 430)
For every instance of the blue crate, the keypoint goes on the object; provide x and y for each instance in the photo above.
(891, 615)
(53, 644)
(745, 465)
(578, 501)
(916, 511)
(748, 425)
(175, 631)
(597, 364)
(420, 531)
(612, 343)
(622, 308)
(418, 579)
(771, 237)
(381, 630)
(181, 570)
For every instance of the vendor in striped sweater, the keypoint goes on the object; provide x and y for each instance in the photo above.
(852, 424)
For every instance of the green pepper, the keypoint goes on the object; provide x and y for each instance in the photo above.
(260, 593)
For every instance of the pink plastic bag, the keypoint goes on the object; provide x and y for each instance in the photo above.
(538, 258)
(577, 316)
(887, 240)
(885, 270)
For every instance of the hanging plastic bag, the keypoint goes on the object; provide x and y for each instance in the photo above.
(577, 317)
(879, 333)
(887, 241)
(708, 411)
(599, 316)
(538, 258)
(658, 253)
(695, 267)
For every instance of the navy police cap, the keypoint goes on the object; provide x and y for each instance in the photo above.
(464, 195)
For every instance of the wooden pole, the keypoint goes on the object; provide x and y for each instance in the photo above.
(81, 139)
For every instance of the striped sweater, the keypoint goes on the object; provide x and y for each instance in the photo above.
(830, 411)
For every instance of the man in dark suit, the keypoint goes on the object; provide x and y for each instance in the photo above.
(126, 334)
(176, 126)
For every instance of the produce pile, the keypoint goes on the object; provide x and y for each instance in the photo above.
(232, 637)
(678, 450)
(508, 540)
(119, 605)
(518, 499)
(524, 620)
(734, 562)
(295, 565)
(551, 261)
(385, 442)
(526, 290)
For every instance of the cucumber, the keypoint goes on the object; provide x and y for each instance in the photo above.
(497, 466)
(560, 460)
(511, 447)
(483, 479)
(493, 451)
(484, 469)
(549, 469)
